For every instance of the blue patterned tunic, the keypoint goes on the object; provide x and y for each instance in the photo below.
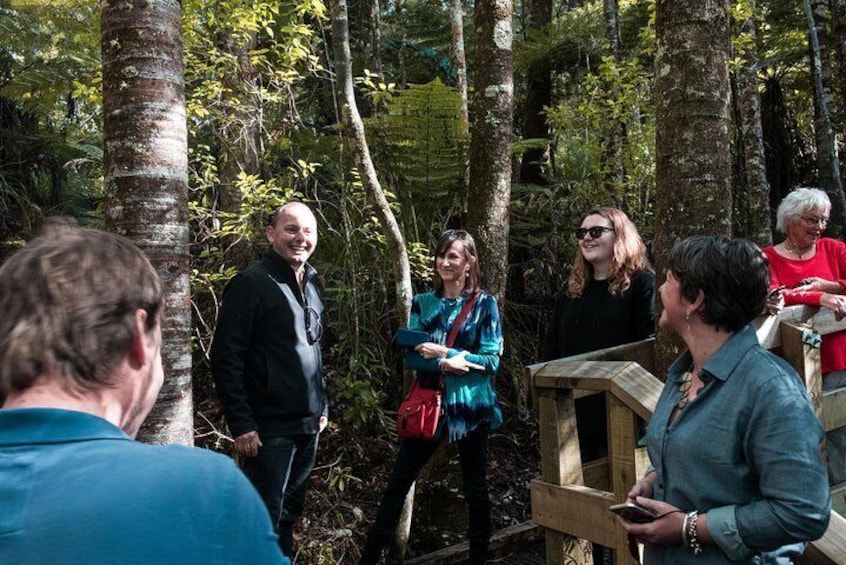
(470, 398)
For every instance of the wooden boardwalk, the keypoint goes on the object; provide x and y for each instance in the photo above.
(522, 544)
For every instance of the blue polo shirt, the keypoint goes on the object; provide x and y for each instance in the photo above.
(746, 450)
(74, 489)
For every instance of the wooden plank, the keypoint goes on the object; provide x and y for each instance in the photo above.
(768, 331)
(820, 319)
(831, 548)
(805, 360)
(834, 409)
(640, 352)
(518, 534)
(575, 510)
(588, 375)
(622, 442)
(596, 474)
(561, 462)
(638, 389)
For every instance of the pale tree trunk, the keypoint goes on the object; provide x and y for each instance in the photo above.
(490, 144)
(754, 221)
(376, 38)
(399, 6)
(361, 156)
(692, 124)
(828, 166)
(146, 179)
(534, 163)
(460, 62)
(614, 171)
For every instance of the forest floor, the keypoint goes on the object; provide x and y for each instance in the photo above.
(352, 469)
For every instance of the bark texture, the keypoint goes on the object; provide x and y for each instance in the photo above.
(614, 172)
(146, 179)
(534, 165)
(754, 222)
(693, 121)
(828, 166)
(490, 144)
(460, 62)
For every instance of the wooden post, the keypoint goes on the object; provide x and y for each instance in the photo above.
(622, 443)
(561, 464)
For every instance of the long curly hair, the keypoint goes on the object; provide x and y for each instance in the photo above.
(629, 256)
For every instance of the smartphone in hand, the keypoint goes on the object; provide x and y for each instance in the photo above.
(634, 512)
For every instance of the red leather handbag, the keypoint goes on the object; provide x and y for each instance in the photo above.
(421, 411)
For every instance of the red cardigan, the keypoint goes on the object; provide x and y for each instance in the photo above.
(828, 263)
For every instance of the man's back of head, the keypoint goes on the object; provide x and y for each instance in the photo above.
(69, 300)
(80, 366)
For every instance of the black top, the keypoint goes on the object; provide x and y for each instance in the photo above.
(266, 363)
(597, 319)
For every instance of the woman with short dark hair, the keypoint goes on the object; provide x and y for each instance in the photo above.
(736, 474)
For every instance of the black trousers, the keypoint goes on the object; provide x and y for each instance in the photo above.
(280, 472)
(413, 455)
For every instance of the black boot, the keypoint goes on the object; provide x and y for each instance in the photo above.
(372, 552)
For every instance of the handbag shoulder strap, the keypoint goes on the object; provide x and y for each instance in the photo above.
(465, 311)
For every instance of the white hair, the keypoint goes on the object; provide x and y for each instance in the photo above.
(798, 202)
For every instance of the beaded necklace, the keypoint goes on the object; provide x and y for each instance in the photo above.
(685, 383)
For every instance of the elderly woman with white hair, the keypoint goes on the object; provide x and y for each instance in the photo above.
(807, 268)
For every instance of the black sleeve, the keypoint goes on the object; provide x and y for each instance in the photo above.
(643, 305)
(229, 351)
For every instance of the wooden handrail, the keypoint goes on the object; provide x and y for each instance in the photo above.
(563, 503)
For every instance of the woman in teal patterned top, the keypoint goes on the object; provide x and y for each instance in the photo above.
(472, 409)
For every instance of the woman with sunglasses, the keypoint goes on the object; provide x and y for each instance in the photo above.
(609, 300)
(471, 406)
(736, 474)
(807, 268)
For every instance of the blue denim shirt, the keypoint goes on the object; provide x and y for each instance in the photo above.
(746, 450)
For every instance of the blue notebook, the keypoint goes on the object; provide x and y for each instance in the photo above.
(409, 339)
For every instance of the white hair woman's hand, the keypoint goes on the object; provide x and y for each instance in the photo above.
(836, 303)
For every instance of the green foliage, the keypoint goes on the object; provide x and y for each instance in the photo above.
(616, 94)
(420, 149)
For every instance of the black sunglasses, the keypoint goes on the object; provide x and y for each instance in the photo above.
(595, 232)
(313, 325)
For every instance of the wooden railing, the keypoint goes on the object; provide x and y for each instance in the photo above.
(571, 500)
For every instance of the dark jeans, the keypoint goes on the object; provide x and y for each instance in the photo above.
(413, 455)
(280, 472)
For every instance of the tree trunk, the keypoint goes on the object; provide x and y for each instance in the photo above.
(754, 222)
(490, 145)
(692, 124)
(399, 6)
(614, 172)
(838, 16)
(828, 166)
(460, 62)
(361, 156)
(376, 38)
(534, 164)
(146, 179)
(238, 131)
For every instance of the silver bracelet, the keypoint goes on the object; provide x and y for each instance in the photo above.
(691, 535)
(684, 531)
